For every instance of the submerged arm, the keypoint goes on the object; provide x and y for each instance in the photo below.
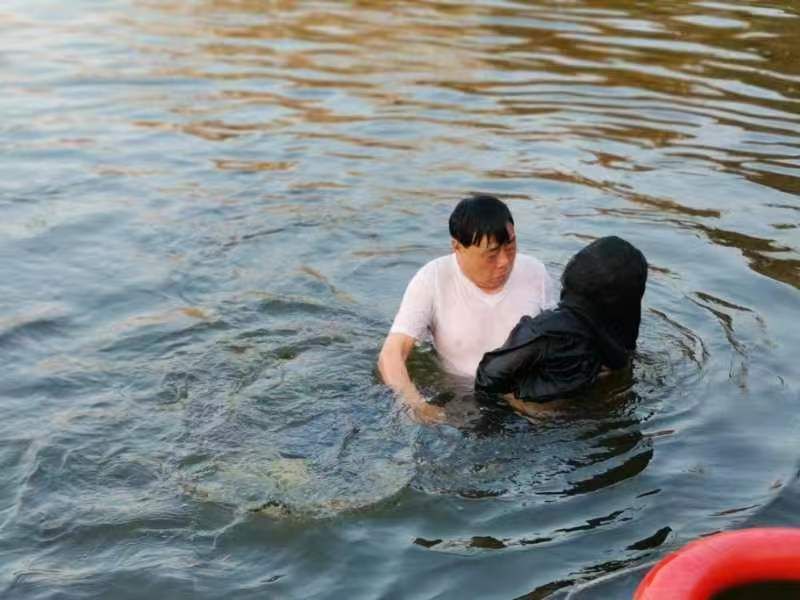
(392, 362)
(393, 370)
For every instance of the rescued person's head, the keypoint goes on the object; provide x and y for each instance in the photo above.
(484, 241)
(604, 283)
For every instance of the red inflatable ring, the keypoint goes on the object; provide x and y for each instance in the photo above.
(723, 561)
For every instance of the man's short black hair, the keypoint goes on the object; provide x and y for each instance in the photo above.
(479, 216)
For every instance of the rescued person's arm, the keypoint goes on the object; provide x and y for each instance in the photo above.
(501, 370)
(393, 370)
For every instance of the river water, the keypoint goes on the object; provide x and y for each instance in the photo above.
(210, 210)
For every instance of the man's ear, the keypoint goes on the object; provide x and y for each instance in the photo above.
(454, 244)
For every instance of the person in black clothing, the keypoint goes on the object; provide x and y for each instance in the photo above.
(561, 352)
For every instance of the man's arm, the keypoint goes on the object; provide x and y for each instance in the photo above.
(412, 321)
(393, 370)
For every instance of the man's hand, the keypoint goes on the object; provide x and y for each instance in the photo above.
(420, 410)
(392, 367)
(534, 409)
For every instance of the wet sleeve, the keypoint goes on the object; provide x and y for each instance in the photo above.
(415, 315)
(501, 370)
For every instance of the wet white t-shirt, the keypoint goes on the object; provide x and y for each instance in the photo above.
(464, 321)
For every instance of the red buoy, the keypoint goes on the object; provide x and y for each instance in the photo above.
(724, 561)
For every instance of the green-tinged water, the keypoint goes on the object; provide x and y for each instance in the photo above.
(209, 210)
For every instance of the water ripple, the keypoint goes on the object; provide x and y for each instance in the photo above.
(210, 210)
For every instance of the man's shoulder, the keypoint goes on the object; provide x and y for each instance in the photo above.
(530, 265)
(437, 266)
(441, 262)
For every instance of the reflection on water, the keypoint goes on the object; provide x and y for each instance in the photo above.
(211, 208)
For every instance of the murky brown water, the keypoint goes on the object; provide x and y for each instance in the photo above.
(210, 210)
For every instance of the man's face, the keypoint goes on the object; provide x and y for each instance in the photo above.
(488, 264)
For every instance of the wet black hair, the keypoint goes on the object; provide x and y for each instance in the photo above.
(479, 216)
(604, 284)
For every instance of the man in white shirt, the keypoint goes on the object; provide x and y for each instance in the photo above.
(468, 301)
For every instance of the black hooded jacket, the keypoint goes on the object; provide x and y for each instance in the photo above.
(596, 323)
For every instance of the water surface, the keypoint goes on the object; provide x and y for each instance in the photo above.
(210, 210)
